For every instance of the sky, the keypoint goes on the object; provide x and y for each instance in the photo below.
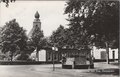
(51, 14)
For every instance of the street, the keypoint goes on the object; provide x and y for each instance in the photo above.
(47, 71)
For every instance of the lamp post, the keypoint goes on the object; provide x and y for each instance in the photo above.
(54, 50)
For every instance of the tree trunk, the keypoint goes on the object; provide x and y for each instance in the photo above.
(11, 56)
(107, 52)
(37, 54)
(118, 56)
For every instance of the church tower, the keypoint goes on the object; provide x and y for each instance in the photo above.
(36, 23)
(37, 20)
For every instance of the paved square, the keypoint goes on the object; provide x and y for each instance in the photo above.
(46, 71)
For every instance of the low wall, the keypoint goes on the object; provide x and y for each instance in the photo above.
(67, 66)
(84, 66)
(77, 66)
(103, 60)
(25, 62)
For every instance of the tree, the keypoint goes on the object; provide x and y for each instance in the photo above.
(72, 37)
(7, 2)
(37, 40)
(29, 47)
(13, 38)
(100, 20)
(58, 37)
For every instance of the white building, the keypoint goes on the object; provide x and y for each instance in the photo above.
(101, 53)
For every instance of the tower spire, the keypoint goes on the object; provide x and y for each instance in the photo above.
(37, 15)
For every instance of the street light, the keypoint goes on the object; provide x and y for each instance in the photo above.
(54, 49)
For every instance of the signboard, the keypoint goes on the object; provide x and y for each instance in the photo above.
(80, 60)
(69, 61)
